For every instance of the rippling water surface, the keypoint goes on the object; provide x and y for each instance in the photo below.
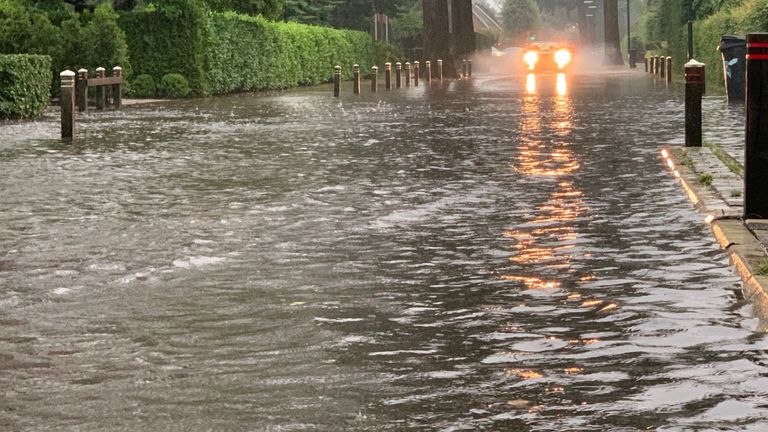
(485, 255)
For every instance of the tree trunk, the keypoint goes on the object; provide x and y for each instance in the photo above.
(611, 22)
(583, 24)
(463, 29)
(437, 38)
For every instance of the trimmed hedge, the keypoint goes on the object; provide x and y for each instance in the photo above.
(26, 85)
(251, 53)
(228, 52)
(665, 32)
(168, 40)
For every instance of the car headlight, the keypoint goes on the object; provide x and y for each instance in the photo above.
(562, 58)
(530, 58)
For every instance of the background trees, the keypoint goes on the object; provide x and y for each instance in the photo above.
(520, 18)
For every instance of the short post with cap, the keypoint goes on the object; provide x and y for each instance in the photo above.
(693, 78)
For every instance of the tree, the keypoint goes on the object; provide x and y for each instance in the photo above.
(520, 17)
(612, 54)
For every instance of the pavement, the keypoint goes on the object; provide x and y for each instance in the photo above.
(713, 181)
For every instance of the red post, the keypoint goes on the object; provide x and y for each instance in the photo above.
(756, 136)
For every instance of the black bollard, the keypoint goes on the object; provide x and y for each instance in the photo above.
(693, 78)
(82, 90)
(646, 64)
(428, 72)
(464, 68)
(356, 79)
(469, 68)
(388, 76)
(440, 70)
(374, 79)
(632, 60)
(407, 74)
(67, 101)
(398, 74)
(336, 81)
(117, 89)
(756, 136)
(668, 65)
(101, 95)
(416, 73)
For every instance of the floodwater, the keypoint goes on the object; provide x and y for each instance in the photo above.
(500, 254)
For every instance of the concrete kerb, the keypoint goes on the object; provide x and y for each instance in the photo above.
(745, 251)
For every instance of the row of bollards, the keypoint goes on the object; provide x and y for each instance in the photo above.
(756, 127)
(411, 72)
(75, 93)
(660, 66)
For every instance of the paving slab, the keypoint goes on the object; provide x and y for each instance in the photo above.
(716, 189)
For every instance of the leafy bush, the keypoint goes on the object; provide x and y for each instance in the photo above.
(665, 31)
(169, 38)
(102, 42)
(226, 52)
(173, 85)
(143, 86)
(26, 84)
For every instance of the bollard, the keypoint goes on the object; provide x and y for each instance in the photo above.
(662, 66)
(428, 73)
(416, 73)
(632, 59)
(117, 89)
(67, 101)
(693, 79)
(82, 90)
(336, 81)
(657, 70)
(407, 74)
(440, 70)
(464, 68)
(356, 79)
(374, 79)
(668, 73)
(756, 135)
(469, 68)
(388, 76)
(653, 65)
(646, 64)
(398, 74)
(101, 95)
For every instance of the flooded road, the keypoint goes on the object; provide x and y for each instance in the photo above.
(486, 255)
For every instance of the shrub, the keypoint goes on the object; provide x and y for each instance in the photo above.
(102, 42)
(226, 52)
(173, 85)
(26, 83)
(143, 86)
(169, 39)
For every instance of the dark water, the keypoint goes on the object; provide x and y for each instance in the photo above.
(467, 257)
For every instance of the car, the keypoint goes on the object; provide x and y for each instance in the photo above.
(547, 57)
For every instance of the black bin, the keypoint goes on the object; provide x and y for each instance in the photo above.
(734, 51)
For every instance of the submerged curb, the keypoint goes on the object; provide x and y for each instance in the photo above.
(744, 249)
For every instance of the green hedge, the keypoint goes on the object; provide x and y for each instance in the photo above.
(26, 82)
(168, 40)
(665, 32)
(251, 53)
(226, 52)
(749, 17)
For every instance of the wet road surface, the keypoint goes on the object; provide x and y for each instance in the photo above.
(498, 254)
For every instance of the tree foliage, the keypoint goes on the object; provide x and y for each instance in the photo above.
(519, 17)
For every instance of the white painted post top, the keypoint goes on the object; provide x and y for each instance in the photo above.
(117, 68)
(67, 73)
(694, 63)
(100, 69)
(83, 70)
